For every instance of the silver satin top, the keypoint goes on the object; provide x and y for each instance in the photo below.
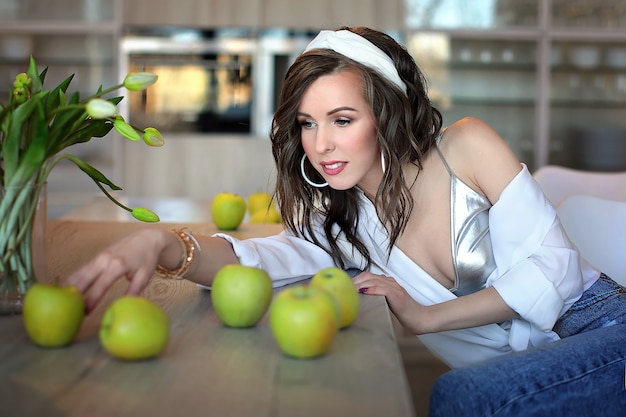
(472, 254)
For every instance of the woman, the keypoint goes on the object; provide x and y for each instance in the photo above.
(446, 223)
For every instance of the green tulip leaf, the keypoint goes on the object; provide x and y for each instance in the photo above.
(17, 123)
(66, 119)
(57, 96)
(37, 79)
(95, 175)
(74, 98)
(36, 150)
(89, 130)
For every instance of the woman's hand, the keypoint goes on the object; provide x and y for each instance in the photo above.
(134, 257)
(408, 312)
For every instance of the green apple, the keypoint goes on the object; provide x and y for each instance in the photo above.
(339, 284)
(241, 295)
(134, 328)
(52, 314)
(259, 202)
(304, 321)
(228, 210)
(268, 216)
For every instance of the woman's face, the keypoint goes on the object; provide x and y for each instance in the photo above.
(339, 132)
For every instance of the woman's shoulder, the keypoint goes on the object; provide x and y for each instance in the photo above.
(479, 155)
(469, 132)
(473, 140)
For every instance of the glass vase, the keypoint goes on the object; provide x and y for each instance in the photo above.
(23, 216)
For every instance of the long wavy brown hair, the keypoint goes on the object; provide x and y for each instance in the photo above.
(407, 126)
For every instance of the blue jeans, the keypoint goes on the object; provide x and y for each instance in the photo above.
(583, 374)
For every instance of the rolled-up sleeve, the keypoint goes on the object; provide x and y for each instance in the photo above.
(538, 270)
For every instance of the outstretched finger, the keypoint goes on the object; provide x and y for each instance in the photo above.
(95, 278)
(139, 281)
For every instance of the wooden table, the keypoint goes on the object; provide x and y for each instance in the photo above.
(206, 369)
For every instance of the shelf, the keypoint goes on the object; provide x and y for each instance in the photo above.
(597, 69)
(491, 102)
(588, 103)
(594, 35)
(492, 66)
(547, 66)
(37, 27)
(60, 62)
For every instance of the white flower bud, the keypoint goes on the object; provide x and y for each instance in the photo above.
(138, 81)
(100, 109)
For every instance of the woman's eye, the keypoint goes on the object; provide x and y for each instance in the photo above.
(307, 124)
(343, 122)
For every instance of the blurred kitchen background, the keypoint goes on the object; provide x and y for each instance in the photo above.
(549, 75)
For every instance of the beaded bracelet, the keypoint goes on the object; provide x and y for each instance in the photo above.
(190, 245)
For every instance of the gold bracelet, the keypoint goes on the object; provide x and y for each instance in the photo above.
(190, 245)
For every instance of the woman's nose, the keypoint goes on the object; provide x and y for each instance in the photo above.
(323, 142)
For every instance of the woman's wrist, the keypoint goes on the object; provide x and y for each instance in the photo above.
(187, 248)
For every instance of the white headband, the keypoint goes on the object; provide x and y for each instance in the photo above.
(360, 50)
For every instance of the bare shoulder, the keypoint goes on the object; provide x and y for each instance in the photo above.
(473, 135)
(480, 156)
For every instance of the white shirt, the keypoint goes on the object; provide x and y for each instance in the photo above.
(539, 273)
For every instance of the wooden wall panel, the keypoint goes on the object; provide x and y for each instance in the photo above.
(193, 13)
(331, 13)
(265, 13)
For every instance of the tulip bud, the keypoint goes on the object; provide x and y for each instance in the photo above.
(137, 81)
(22, 80)
(145, 215)
(19, 95)
(125, 129)
(98, 108)
(152, 137)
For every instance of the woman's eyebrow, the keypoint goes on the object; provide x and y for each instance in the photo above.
(342, 108)
(330, 112)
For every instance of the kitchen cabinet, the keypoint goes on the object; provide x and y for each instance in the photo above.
(320, 14)
(587, 102)
(549, 75)
(492, 79)
(330, 14)
(191, 13)
(76, 36)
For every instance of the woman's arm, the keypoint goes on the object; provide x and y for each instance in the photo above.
(136, 256)
(285, 257)
(477, 309)
(539, 271)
